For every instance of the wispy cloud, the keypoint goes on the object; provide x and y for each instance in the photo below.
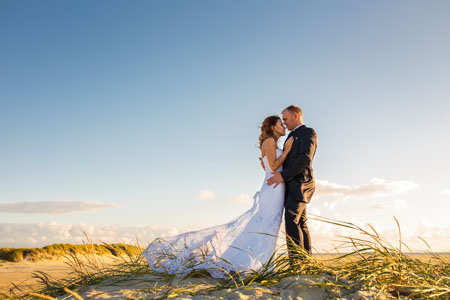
(53, 207)
(376, 188)
(395, 204)
(42, 234)
(242, 198)
(206, 195)
(445, 192)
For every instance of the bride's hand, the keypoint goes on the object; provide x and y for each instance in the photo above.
(288, 145)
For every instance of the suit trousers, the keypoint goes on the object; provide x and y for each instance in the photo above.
(296, 229)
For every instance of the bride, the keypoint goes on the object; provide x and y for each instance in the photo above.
(245, 243)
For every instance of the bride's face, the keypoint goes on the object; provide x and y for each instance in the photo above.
(279, 128)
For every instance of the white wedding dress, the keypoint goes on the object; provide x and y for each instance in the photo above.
(246, 243)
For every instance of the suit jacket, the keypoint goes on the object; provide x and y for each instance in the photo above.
(297, 171)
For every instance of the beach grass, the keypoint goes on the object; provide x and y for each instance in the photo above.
(56, 251)
(364, 262)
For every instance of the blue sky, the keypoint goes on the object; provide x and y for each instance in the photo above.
(145, 104)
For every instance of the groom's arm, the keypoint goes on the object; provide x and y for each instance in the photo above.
(306, 151)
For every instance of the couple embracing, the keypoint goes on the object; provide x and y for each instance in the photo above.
(248, 242)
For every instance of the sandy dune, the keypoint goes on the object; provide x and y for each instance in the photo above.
(148, 285)
(298, 287)
(20, 273)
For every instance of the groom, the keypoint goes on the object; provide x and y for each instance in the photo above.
(298, 177)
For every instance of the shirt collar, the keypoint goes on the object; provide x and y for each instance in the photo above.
(298, 127)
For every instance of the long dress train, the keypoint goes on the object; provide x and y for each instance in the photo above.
(245, 243)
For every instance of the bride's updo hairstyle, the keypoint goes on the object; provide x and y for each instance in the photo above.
(267, 129)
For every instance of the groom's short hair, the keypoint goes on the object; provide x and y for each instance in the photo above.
(294, 109)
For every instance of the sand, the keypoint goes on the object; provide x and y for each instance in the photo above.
(21, 273)
(296, 287)
(149, 286)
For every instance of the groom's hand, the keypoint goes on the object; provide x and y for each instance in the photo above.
(275, 179)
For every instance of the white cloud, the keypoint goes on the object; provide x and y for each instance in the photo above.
(53, 207)
(445, 192)
(242, 198)
(376, 188)
(396, 204)
(42, 234)
(324, 235)
(206, 195)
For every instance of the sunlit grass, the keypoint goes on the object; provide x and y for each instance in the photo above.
(60, 250)
(367, 262)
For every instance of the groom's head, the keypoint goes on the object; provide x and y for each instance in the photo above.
(292, 117)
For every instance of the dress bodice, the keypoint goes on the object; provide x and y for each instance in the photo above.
(266, 163)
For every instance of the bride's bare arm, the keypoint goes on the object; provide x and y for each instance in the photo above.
(270, 149)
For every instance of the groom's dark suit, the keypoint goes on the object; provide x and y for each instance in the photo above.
(299, 181)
